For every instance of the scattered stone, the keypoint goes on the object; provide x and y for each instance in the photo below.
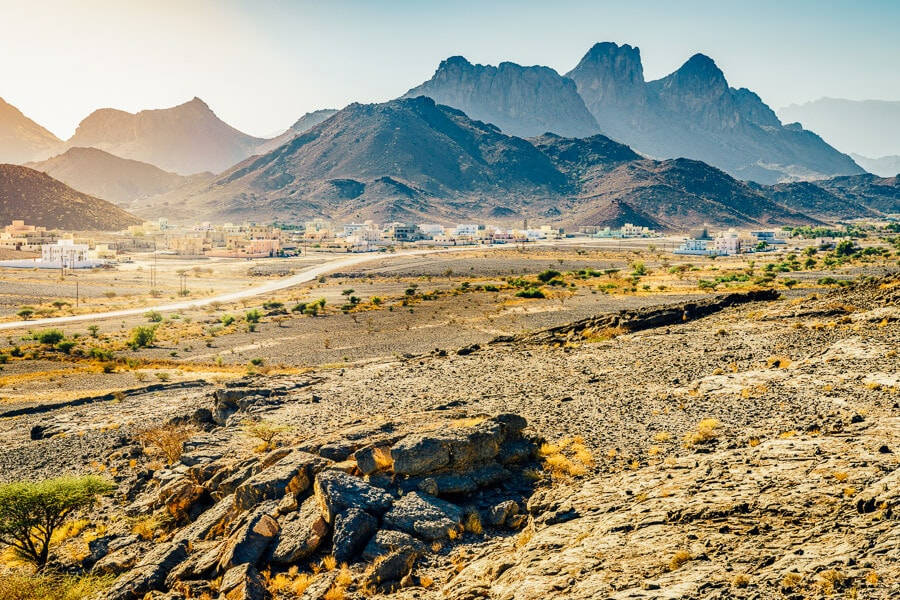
(392, 568)
(388, 540)
(352, 530)
(248, 543)
(242, 582)
(424, 516)
(301, 534)
(148, 574)
(290, 475)
(336, 491)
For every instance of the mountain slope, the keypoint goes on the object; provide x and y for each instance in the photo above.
(811, 198)
(41, 200)
(302, 125)
(402, 153)
(693, 113)
(867, 127)
(877, 193)
(188, 138)
(21, 139)
(521, 101)
(106, 176)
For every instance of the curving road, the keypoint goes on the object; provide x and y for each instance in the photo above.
(304, 276)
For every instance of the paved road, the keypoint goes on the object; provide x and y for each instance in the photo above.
(303, 276)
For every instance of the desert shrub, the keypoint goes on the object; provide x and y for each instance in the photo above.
(638, 269)
(299, 307)
(252, 316)
(94, 330)
(49, 337)
(707, 431)
(266, 432)
(154, 317)
(844, 248)
(65, 346)
(166, 440)
(4, 358)
(25, 313)
(547, 275)
(30, 512)
(273, 305)
(142, 337)
(100, 354)
(227, 320)
(531, 293)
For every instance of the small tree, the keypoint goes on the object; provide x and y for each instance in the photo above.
(31, 511)
(25, 313)
(141, 337)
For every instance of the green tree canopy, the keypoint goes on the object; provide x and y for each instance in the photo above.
(31, 511)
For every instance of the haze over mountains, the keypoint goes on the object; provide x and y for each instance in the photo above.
(869, 130)
(21, 139)
(104, 175)
(188, 138)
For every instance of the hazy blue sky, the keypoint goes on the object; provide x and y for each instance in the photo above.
(262, 64)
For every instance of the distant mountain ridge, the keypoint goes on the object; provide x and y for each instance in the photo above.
(41, 200)
(413, 159)
(867, 127)
(883, 166)
(186, 139)
(521, 101)
(21, 139)
(101, 174)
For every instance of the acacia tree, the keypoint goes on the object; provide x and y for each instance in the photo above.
(31, 511)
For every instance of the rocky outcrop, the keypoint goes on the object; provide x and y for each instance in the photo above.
(735, 522)
(627, 321)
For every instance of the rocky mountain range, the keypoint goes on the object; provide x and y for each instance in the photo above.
(413, 159)
(521, 101)
(693, 113)
(690, 113)
(21, 139)
(107, 176)
(188, 138)
(41, 200)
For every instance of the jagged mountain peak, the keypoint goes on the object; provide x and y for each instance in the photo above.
(699, 74)
(522, 101)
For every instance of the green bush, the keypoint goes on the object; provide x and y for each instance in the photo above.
(531, 293)
(252, 316)
(49, 337)
(154, 317)
(142, 337)
(547, 275)
(299, 307)
(31, 511)
(66, 346)
(227, 320)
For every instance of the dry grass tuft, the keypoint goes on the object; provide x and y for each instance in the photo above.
(778, 362)
(329, 563)
(473, 524)
(679, 559)
(707, 431)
